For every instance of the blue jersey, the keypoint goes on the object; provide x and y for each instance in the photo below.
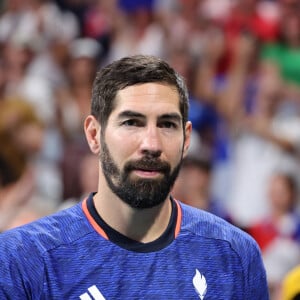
(73, 254)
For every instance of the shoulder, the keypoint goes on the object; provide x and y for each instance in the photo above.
(46, 233)
(211, 230)
(206, 225)
(23, 251)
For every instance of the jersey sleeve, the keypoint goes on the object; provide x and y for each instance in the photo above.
(21, 268)
(254, 272)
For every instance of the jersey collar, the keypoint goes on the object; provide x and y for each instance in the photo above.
(107, 232)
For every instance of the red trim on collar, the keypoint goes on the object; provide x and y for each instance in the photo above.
(94, 224)
(179, 218)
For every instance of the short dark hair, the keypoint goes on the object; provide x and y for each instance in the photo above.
(130, 71)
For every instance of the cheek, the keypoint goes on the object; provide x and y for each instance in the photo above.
(180, 148)
(121, 148)
(174, 153)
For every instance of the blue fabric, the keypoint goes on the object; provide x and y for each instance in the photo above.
(62, 256)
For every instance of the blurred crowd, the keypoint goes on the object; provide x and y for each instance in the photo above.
(241, 62)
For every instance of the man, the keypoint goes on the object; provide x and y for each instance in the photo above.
(131, 239)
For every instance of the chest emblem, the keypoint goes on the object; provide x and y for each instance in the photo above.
(200, 284)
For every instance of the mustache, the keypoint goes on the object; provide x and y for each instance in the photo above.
(148, 165)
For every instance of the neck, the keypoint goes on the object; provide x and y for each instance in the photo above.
(143, 225)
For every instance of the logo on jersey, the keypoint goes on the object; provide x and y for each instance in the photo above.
(92, 294)
(200, 284)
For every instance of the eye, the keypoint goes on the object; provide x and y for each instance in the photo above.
(132, 122)
(167, 124)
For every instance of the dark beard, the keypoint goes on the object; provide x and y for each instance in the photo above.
(138, 193)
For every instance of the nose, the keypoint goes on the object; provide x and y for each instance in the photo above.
(151, 142)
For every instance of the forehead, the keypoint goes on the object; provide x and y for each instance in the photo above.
(148, 98)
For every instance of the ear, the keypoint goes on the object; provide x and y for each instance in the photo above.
(188, 132)
(92, 133)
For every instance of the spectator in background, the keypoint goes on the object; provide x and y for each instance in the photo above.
(285, 52)
(99, 22)
(12, 20)
(263, 140)
(37, 92)
(56, 30)
(73, 106)
(137, 31)
(34, 63)
(278, 234)
(36, 23)
(193, 186)
(87, 179)
(16, 56)
(258, 18)
(21, 135)
(73, 98)
(25, 179)
(78, 8)
(14, 197)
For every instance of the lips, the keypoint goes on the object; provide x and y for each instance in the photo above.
(147, 173)
(147, 167)
(149, 170)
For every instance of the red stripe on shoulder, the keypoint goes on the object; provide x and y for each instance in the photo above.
(92, 221)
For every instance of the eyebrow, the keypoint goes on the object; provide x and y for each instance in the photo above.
(171, 116)
(133, 114)
(130, 114)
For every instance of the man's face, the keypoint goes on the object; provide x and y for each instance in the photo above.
(143, 144)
